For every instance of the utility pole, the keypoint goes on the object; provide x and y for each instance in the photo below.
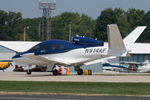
(70, 28)
(39, 31)
(24, 37)
(47, 8)
(24, 34)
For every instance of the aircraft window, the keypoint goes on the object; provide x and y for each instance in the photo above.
(35, 48)
(44, 46)
(53, 47)
(61, 47)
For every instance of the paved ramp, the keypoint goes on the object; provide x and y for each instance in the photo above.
(21, 76)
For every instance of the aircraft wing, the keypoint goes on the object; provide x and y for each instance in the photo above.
(45, 59)
(92, 61)
(64, 61)
(100, 60)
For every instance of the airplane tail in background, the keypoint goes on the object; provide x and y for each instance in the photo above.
(130, 39)
(118, 46)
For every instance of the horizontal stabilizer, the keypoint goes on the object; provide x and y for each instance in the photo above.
(133, 36)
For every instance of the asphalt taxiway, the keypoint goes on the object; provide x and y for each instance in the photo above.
(68, 97)
(40, 76)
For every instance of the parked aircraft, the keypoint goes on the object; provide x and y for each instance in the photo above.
(131, 67)
(143, 67)
(78, 52)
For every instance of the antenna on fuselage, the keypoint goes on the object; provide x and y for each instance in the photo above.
(76, 35)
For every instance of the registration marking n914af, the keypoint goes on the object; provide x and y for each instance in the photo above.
(95, 50)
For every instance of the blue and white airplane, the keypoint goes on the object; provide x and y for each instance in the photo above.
(78, 52)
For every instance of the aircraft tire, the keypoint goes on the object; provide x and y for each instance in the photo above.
(55, 72)
(29, 72)
(80, 72)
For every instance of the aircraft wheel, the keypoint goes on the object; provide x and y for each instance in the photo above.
(55, 72)
(29, 72)
(80, 72)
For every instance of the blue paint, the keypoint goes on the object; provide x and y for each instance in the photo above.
(109, 65)
(61, 46)
(87, 41)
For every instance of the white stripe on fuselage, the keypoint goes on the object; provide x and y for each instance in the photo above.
(78, 55)
(70, 57)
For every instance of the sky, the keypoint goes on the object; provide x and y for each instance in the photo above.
(92, 8)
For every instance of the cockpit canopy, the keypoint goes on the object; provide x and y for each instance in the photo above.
(87, 41)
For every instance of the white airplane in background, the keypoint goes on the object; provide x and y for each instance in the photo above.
(78, 52)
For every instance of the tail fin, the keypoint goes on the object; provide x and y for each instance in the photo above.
(118, 46)
(133, 36)
(115, 42)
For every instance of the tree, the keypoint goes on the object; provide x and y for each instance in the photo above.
(9, 25)
(81, 25)
(134, 17)
(110, 16)
(145, 37)
(86, 26)
(33, 29)
(12, 25)
(3, 22)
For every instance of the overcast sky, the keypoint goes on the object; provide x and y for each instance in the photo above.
(29, 8)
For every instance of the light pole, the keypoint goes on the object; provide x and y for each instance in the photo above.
(27, 27)
(70, 28)
(47, 8)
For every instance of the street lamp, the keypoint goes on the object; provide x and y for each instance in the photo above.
(27, 27)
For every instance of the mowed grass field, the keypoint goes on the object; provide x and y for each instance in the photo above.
(76, 87)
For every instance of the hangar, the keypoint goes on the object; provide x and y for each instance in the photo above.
(139, 53)
(9, 48)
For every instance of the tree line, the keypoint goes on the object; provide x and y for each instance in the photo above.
(12, 25)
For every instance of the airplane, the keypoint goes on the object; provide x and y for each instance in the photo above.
(78, 52)
(128, 67)
(138, 67)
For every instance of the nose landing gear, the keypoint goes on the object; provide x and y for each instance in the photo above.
(29, 72)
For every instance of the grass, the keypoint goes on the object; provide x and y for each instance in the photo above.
(76, 87)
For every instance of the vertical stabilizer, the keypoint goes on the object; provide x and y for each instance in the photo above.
(115, 42)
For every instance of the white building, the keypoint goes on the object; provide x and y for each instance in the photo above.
(139, 53)
(9, 48)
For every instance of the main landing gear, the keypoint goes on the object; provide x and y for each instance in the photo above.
(29, 72)
(55, 72)
(80, 71)
(60, 70)
(83, 72)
